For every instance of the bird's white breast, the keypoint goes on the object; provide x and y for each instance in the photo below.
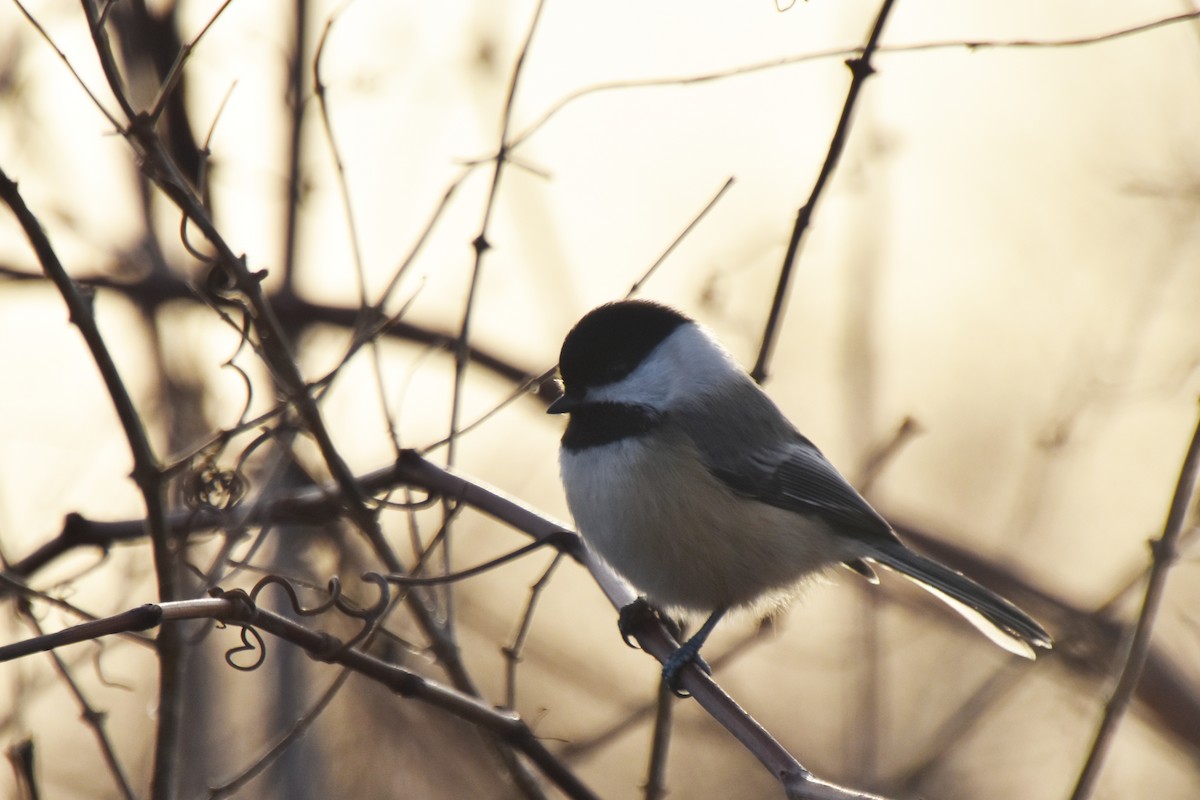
(650, 508)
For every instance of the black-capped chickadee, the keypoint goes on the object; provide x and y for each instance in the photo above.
(688, 480)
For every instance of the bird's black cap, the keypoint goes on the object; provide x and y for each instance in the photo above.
(610, 341)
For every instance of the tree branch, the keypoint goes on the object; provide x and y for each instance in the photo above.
(238, 608)
(1164, 552)
(860, 70)
(147, 473)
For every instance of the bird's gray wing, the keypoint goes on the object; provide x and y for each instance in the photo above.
(757, 453)
(797, 477)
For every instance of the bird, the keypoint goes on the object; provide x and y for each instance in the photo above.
(687, 479)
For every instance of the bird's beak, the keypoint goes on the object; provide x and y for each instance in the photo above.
(564, 405)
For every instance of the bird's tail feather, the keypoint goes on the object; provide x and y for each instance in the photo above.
(995, 617)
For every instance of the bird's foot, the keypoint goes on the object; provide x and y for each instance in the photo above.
(634, 616)
(687, 653)
(639, 613)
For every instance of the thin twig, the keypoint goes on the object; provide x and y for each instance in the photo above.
(841, 52)
(11, 584)
(20, 755)
(1164, 552)
(66, 61)
(481, 246)
(295, 149)
(481, 243)
(514, 652)
(237, 608)
(91, 717)
(108, 62)
(319, 88)
(411, 257)
(660, 743)
(882, 455)
(146, 474)
(171, 80)
(237, 783)
(682, 235)
(955, 730)
(860, 70)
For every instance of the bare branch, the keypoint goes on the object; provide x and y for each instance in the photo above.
(843, 52)
(481, 243)
(860, 70)
(660, 743)
(108, 61)
(637, 285)
(147, 473)
(231, 787)
(514, 651)
(651, 636)
(70, 67)
(1164, 552)
(91, 717)
(171, 80)
(335, 153)
(237, 608)
(20, 755)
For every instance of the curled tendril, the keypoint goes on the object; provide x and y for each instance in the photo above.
(210, 487)
(247, 385)
(371, 612)
(266, 434)
(335, 590)
(219, 281)
(98, 666)
(186, 240)
(252, 641)
(369, 615)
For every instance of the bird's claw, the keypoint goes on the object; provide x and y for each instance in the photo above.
(639, 613)
(634, 616)
(682, 656)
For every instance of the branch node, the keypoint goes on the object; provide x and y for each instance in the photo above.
(219, 280)
(93, 717)
(74, 528)
(245, 606)
(860, 68)
(329, 649)
(1163, 552)
(88, 295)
